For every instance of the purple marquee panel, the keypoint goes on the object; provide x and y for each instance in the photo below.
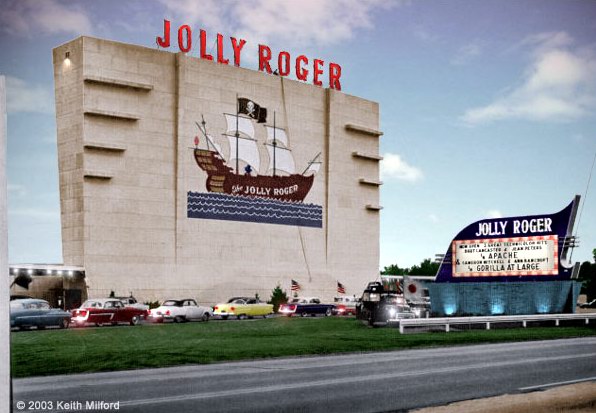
(527, 248)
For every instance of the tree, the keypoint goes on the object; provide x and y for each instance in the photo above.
(587, 275)
(394, 269)
(278, 296)
(426, 267)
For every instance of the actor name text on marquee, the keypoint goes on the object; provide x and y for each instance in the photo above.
(539, 225)
(284, 60)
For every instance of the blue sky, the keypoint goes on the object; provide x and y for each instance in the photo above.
(488, 108)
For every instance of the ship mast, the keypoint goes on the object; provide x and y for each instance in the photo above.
(237, 134)
(314, 160)
(274, 143)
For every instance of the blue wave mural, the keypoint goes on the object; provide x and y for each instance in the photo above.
(247, 209)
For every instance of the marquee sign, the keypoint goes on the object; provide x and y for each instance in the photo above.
(281, 66)
(511, 249)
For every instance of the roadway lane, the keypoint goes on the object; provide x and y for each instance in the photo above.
(369, 382)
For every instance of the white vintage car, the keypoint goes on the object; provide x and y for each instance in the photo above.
(180, 311)
(132, 302)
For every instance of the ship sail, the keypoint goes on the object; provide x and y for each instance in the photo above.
(313, 167)
(284, 161)
(245, 127)
(280, 136)
(211, 143)
(248, 151)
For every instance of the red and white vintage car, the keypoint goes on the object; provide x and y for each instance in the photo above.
(102, 311)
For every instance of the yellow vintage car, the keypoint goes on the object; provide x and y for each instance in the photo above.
(243, 307)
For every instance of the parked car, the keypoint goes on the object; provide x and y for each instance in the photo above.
(378, 306)
(33, 312)
(180, 311)
(591, 304)
(132, 302)
(243, 307)
(106, 311)
(345, 305)
(305, 306)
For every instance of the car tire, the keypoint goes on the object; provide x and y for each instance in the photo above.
(328, 312)
(224, 317)
(178, 319)
(304, 315)
(64, 323)
(41, 327)
(241, 316)
(134, 321)
(206, 317)
(98, 324)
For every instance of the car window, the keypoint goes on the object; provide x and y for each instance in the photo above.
(117, 304)
(44, 306)
(239, 301)
(315, 301)
(252, 301)
(108, 304)
(172, 303)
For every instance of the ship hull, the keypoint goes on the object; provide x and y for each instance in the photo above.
(222, 179)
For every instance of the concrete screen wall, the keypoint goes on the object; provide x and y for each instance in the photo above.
(127, 117)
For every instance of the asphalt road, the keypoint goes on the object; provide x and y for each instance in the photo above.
(370, 382)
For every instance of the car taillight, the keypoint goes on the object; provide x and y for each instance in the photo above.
(167, 312)
(232, 308)
(82, 313)
(148, 312)
(215, 308)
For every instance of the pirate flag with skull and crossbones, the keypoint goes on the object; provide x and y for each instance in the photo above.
(250, 108)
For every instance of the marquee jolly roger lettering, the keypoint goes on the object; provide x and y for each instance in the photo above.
(282, 65)
(523, 226)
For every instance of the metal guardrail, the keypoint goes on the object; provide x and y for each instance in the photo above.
(488, 320)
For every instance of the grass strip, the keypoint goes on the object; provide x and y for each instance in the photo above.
(85, 350)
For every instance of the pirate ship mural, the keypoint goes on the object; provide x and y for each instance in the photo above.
(249, 180)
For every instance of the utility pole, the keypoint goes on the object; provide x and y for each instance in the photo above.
(5, 382)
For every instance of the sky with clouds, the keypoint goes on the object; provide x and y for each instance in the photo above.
(488, 108)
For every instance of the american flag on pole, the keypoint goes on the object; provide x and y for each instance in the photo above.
(295, 285)
(340, 288)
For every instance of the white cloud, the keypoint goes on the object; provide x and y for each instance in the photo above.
(28, 17)
(394, 167)
(24, 97)
(293, 22)
(559, 85)
(433, 218)
(466, 53)
(16, 190)
(36, 213)
(494, 213)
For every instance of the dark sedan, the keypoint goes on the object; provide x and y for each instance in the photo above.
(305, 307)
(33, 312)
